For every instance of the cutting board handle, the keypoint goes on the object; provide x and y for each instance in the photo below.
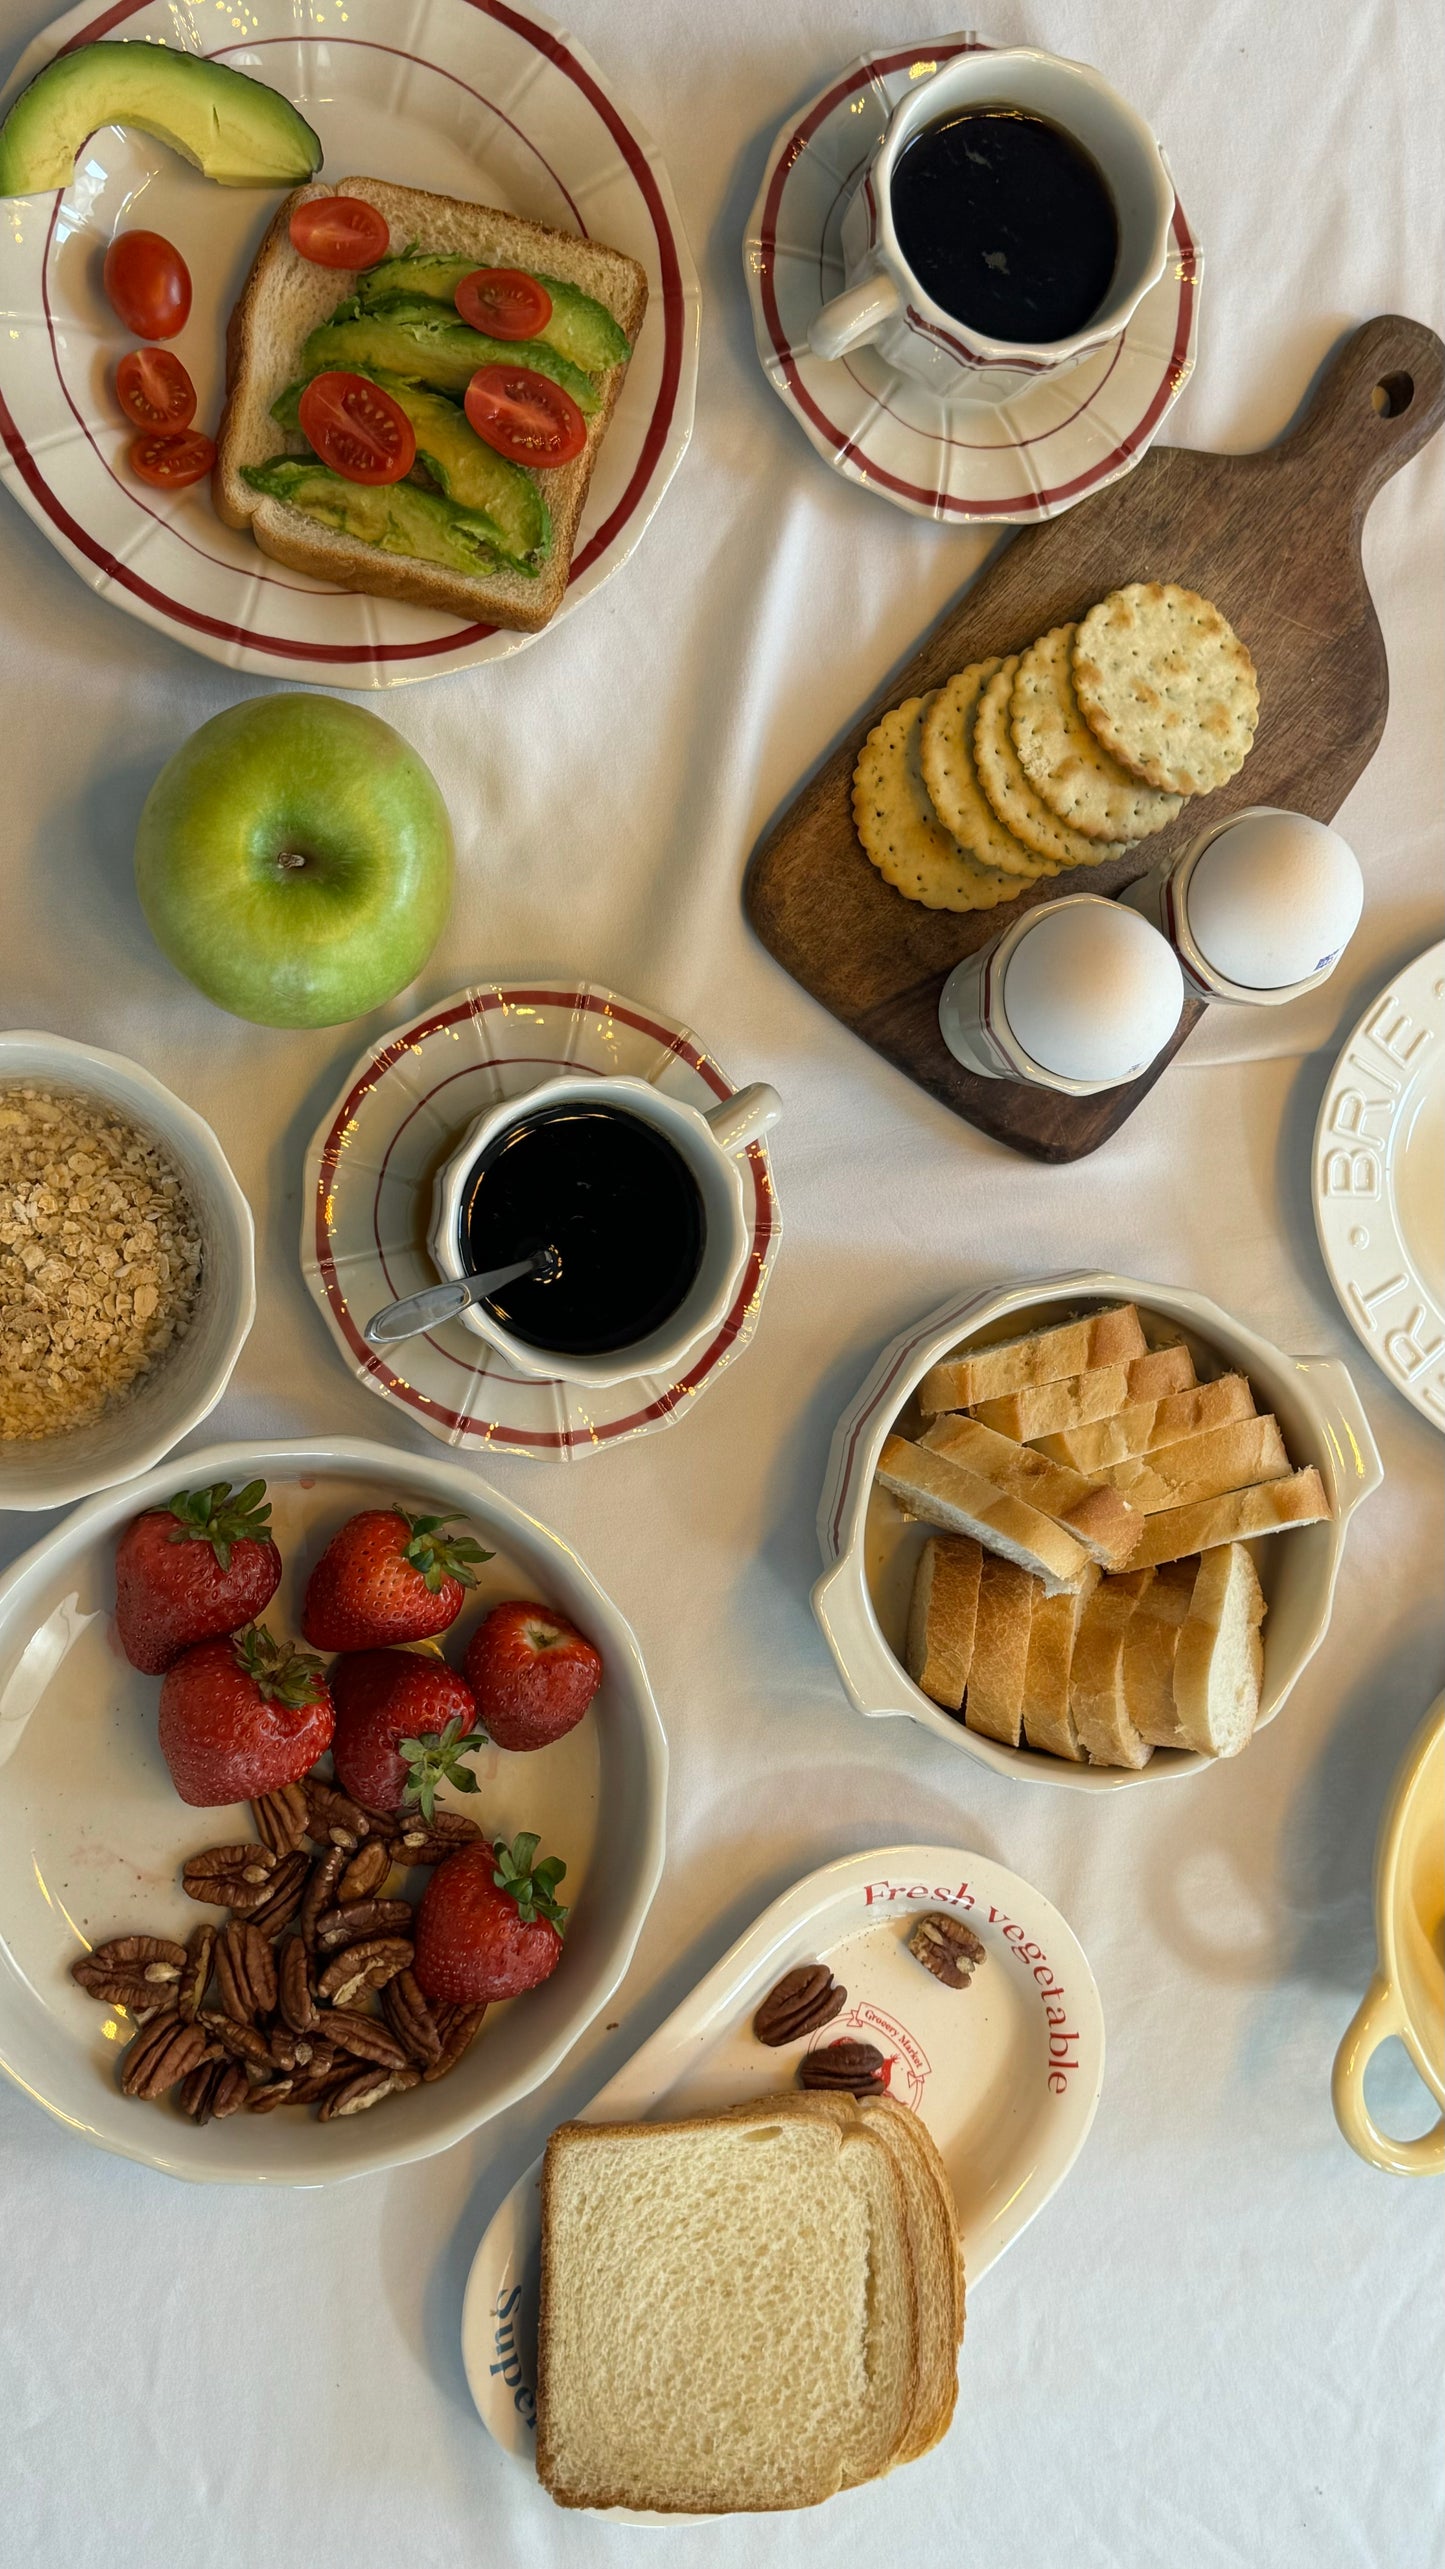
(1378, 401)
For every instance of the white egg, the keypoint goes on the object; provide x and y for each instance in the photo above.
(1093, 992)
(1274, 899)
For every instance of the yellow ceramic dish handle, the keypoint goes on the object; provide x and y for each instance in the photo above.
(1377, 2017)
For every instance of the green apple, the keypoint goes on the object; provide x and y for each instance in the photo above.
(294, 860)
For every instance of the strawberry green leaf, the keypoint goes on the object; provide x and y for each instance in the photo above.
(440, 1556)
(437, 1760)
(222, 1517)
(282, 1674)
(532, 1887)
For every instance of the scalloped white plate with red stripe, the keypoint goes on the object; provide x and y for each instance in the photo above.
(471, 98)
(367, 1204)
(964, 463)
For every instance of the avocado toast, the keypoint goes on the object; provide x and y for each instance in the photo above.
(469, 532)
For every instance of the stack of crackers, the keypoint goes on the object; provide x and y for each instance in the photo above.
(1062, 755)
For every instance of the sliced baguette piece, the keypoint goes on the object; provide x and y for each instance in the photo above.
(1151, 1640)
(1108, 1337)
(1078, 1398)
(1102, 1519)
(947, 1494)
(1048, 1722)
(1233, 1457)
(284, 299)
(1219, 1664)
(1096, 1683)
(941, 1617)
(994, 1703)
(1148, 1423)
(1238, 1517)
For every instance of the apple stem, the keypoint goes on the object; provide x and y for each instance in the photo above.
(290, 859)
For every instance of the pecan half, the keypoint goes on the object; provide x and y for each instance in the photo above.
(366, 1872)
(283, 1899)
(293, 1986)
(291, 2052)
(856, 2068)
(264, 2100)
(332, 1818)
(281, 1819)
(327, 2072)
(456, 2029)
(347, 1926)
(245, 1972)
(320, 1892)
(229, 1877)
(408, 2012)
(418, 1841)
(243, 2042)
(212, 2091)
(803, 2000)
(132, 1971)
(159, 2058)
(366, 2089)
(195, 1979)
(947, 1948)
(369, 1965)
(365, 2038)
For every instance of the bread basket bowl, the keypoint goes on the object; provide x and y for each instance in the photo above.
(869, 1547)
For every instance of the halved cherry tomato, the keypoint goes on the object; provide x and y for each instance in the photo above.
(154, 389)
(339, 232)
(525, 415)
(149, 284)
(169, 463)
(357, 428)
(504, 302)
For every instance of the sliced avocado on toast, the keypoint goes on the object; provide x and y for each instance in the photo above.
(397, 517)
(425, 344)
(579, 327)
(235, 129)
(468, 471)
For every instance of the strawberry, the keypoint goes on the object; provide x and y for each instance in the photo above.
(403, 1725)
(388, 1577)
(489, 1925)
(203, 1564)
(532, 1672)
(242, 1717)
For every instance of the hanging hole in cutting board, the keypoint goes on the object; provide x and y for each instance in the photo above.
(1392, 394)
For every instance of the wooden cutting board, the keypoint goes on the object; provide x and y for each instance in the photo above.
(1274, 539)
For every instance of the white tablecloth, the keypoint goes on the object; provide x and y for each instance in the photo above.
(1219, 2346)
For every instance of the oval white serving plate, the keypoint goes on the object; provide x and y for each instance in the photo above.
(1378, 1180)
(1006, 2073)
(870, 1548)
(92, 1834)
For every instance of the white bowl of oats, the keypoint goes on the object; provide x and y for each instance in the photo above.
(127, 1270)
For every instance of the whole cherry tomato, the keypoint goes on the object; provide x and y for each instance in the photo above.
(148, 283)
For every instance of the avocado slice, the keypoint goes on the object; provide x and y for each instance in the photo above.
(580, 327)
(233, 128)
(417, 340)
(470, 472)
(397, 517)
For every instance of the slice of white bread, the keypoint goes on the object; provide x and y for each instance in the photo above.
(1236, 1518)
(1147, 1423)
(1233, 1457)
(1151, 1640)
(1101, 1518)
(994, 1703)
(1046, 1407)
(726, 2313)
(1053, 1630)
(1219, 1664)
(948, 1495)
(1096, 1685)
(1108, 1337)
(286, 297)
(941, 1617)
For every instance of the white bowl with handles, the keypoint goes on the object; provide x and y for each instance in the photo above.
(869, 1548)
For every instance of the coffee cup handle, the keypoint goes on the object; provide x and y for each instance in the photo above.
(854, 316)
(741, 1118)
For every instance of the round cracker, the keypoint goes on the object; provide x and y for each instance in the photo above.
(1067, 767)
(1008, 789)
(1165, 683)
(900, 831)
(945, 754)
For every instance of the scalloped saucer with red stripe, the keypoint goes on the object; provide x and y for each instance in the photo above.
(964, 463)
(472, 98)
(367, 1206)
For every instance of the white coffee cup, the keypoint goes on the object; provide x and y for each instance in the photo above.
(711, 1146)
(885, 306)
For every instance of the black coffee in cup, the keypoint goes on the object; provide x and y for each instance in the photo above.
(1007, 222)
